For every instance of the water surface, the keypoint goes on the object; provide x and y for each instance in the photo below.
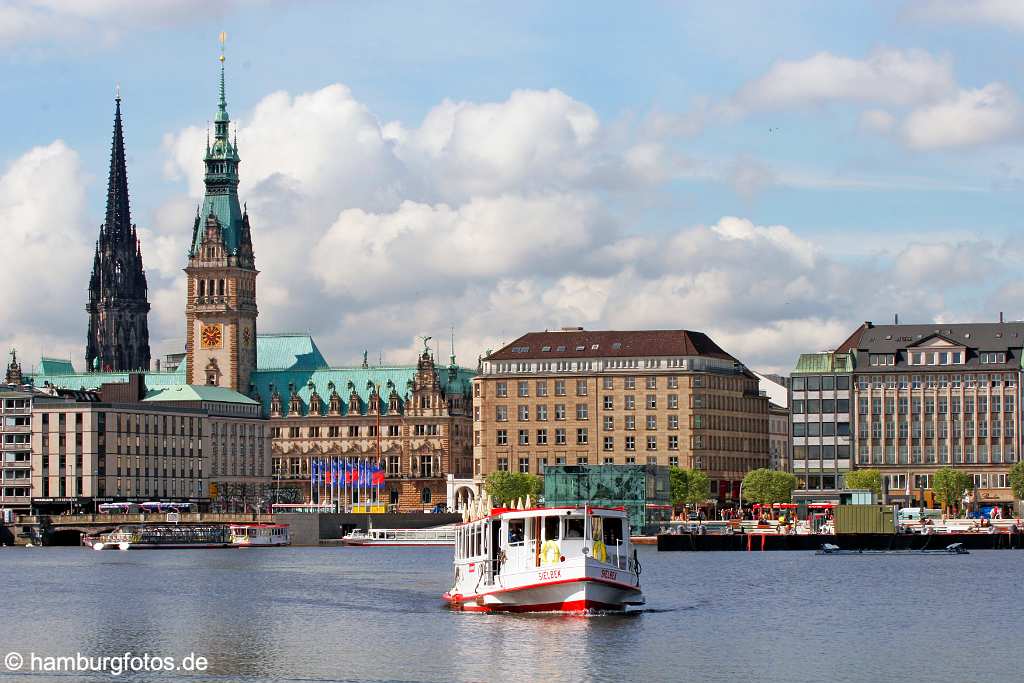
(375, 614)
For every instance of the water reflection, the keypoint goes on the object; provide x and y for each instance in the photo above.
(375, 614)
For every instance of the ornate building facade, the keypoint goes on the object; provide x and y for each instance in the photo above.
(415, 421)
(220, 313)
(118, 337)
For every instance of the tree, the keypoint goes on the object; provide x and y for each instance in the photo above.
(870, 479)
(688, 487)
(768, 486)
(505, 488)
(1017, 479)
(950, 485)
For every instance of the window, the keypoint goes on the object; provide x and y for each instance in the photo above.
(502, 437)
(673, 442)
(524, 465)
(673, 401)
(629, 383)
(560, 437)
(652, 422)
(631, 422)
(607, 383)
(581, 411)
(630, 443)
(503, 464)
(630, 402)
(581, 436)
(609, 423)
(501, 389)
(609, 402)
(673, 422)
(524, 413)
(559, 387)
(542, 388)
(542, 413)
(500, 414)
(673, 382)
(581, 387)
(652, 382)
(609, 443)
(652, 443)
(559, 411)
(524, 437)
(523, 388)
(542, 437)
(652, 402)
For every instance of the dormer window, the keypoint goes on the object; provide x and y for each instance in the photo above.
(879, 359)
(993, 357)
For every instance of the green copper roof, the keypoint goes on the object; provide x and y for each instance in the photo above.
(93, 380)
(55, 366)
(288, 351)
(826, 361)
(196, 392)
(221, 179)
(342, 377)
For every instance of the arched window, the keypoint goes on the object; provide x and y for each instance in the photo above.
(425, 496)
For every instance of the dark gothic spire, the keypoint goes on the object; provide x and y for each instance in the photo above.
(118, 220)
(118, 337)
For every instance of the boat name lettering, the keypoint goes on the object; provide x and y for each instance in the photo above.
(609, 574)
(549, 574)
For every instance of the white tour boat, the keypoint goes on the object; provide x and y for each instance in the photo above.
(164, 536)
(527, 559)
(440, 535)
(259, 535)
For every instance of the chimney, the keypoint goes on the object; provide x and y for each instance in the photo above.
(896, 319)
(1000, 316)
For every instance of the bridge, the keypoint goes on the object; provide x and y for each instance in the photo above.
(69, 529)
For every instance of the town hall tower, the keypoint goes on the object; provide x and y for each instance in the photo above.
(220, 312)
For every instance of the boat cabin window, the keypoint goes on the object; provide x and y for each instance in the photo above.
(612, 532)
(551, 528)
(516, 531)
(573, 528)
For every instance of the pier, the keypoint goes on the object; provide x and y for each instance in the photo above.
(771, 542)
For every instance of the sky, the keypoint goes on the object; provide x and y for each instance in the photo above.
(773, 174)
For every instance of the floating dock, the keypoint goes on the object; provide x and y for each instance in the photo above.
(765, 542)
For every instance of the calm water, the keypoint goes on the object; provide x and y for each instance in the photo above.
(339, 614)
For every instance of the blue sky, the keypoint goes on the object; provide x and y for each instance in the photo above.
(881, 137)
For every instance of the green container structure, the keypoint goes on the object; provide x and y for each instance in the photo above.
(643, 490)
(865, 519)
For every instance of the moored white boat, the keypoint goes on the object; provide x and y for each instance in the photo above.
(441, 535)
(259, 535)
(563, 559)
(164, 536)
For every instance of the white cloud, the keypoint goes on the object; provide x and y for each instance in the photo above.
(1002, 13)
(894, 77)
(972, 117)
(47, 251)
(94, 22)
(877, 120)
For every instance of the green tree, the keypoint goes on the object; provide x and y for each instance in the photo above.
(505, 488)
(950, 485)
(688, 487)
(768, 486)
(870, 479)
(1017, 479)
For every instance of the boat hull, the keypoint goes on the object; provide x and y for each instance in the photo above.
(573, 595)
(357, 543)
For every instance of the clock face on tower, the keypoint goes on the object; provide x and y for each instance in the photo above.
(212, 336)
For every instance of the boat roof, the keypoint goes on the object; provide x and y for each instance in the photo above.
(545, 511)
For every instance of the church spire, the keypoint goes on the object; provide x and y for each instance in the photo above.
(118, 219)
(118, 335)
